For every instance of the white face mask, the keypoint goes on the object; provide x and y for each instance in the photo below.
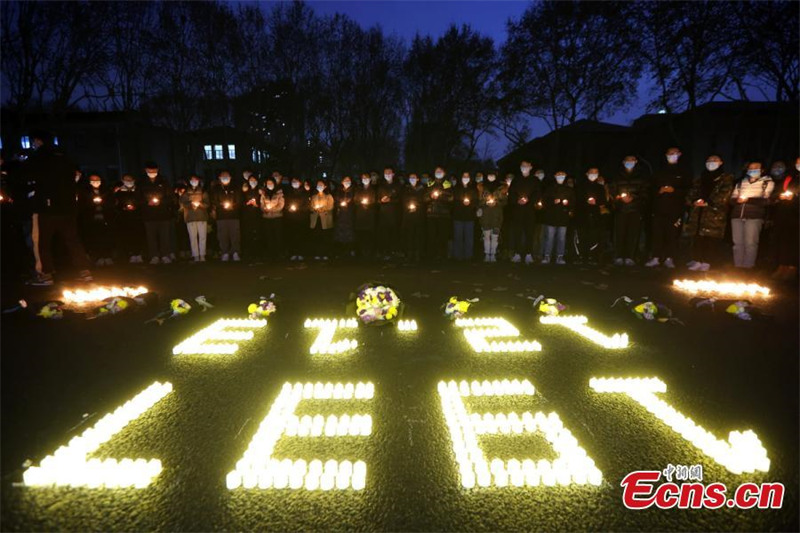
(465, 181)
(672, 158)
(797, 166)
(560, 178)
(491, 178)
(295, 185)
(629, 164)
(271, 186)
(439, 175)
(365, 181)
(525, 170)
(225, 181)
(346, 184)
(540, 176)
(413, 181)
(128, 184)
(712, 166)
(592, 176)
(388, 177)
(320, 188)
(95, 184)
(253, 184)
(754, 174)
(194, 183)
(152, 175)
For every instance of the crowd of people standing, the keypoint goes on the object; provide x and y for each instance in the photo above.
(631, 217)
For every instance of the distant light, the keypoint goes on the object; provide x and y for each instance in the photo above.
(662, 111)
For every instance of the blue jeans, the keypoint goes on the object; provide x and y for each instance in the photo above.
(745, 234)
(463, 239)
(557, 235)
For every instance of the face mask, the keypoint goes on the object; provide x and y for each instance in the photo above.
(225, 181)
(629, 164)
(194, 183)
(508, 181)
(754, 173)
(525, 170)
(128, 184)
(152, 175)
(425, 181)
(672, 158)
(491, 178)
(560, 179)
(388, 177)
(253, 184)
(592, 176)
(413, 182)
(797, 166)
(540, 176)
(439, 175)
(271, 186)
(777, 173)
(346, 184)
(295, 185)
(712, 166)
(95, 184)
(365, 181)
(479, 179)
(320, 188)
(465, 181)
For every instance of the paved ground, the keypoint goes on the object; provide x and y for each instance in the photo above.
(725, 374)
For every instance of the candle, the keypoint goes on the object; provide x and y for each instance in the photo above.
(591, 199)
(195, 204)
(564, 201)
(364, 201)
(466, 201)
(623, 195)
(129, 207)
(293, 208)
(435, 194)
(343, 203)
(226, 205)
(251, 201)
(490, 200)
(523, 199)
(412, 206)
(97, 199)
(154, 200)
(539, 203)
(787, 195)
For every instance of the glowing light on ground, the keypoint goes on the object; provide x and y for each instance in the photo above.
(324, 344)
(407, 325)
(259, 469)
(578, 324)
(220, 338)
(741, 453)
(68, 465)
(83, 296)
(721, 288)
(572, 466)
(478, 330)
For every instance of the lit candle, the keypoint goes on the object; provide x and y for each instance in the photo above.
(293, 208)
(564, 201)
(154, 200)
(466, 201)
(523, 199)
(591, 200)
(435, 194)
(98, 199)
(226, 205)
(623, 195)
(343, 203)
(195, 204)
(412, 206)
(787, 195)
(2, 198)
(490, 200)
(129, 207)
(364, 201)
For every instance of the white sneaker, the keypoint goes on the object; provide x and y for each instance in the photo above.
(132, 259)
(560, 260)
(317, 258)
(172, 256)
(695, 265)
(654, 262)
(619, 262)
(155, 260)
(195, 259)
(236, 257)
(487, 258)
(324, 257)
(109, 261)
(630, 262)
(704, 267)
(225, 257)
(529, 259)
(100, 262)
(516, 258)
(202, 259)
(545, 259)
(299, 257)
(669, 263)
(166, 260)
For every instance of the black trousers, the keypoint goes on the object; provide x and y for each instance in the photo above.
(438, 230)
(413, 238)
(591, 234)
(524, 236)
(67, 227)
(627, 225)
(159, 240)
(97, 238)
(665, 235)
(365, 242)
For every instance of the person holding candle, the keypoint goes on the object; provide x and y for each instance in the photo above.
(465, 207)
(413, 223)
(671, 184)
(321, 220)
(365, 216)
(344, 217)
(559, 202)
(95, 214)
(523, 196)
(226, 201)
(296, 207)
(182, 244)
(493, 197)
(438, 208)
(629, 196)
(748, 208)
(251, 216)
(128, 219)
(389, 193)
(272, 203)
(195, 204)
(708, 215)
(157, 212)
(785, 217)
(592, 214)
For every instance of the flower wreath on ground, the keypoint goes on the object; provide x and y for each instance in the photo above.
(375, 304)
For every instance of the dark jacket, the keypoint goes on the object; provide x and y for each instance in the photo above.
(586, 212)
(296, 205)
(95, 205)
(555, 212)
(413, 202)
(679, 178)
(226, 201)
(52, 174)
(714, 187)
(251, 200)
(438, 199)
(345, 212)
(529, 188)
(465, 202)
(493, 198)
(389, 212)
(786, 210)
(158, 200)
(366, 207)
(128, 202)
(633, 184)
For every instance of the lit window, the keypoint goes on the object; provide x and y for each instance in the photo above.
(207, 150)
(218, 152)
(231, 151)
(254, 155)
(55, 141)
(26, 142)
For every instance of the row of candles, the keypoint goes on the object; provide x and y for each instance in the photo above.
(220, 338)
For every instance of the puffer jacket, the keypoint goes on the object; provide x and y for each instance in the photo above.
(272, 203)
(439, 199)
(757, 193)
(634, 185)
(494, 197)
(322, 210)
(710, 221)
